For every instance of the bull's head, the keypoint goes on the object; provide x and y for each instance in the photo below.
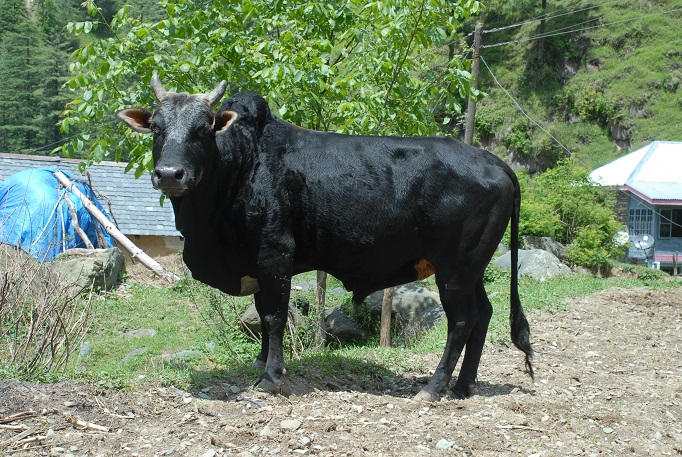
(184, 128)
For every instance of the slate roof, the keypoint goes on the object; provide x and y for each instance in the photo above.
(134, 202)
(653, 172)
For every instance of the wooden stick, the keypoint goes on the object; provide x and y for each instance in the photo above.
(13, 427)
(386, 309)
(135, 252)
(17, 416)
(20, 436)
(81, 423)
(76, 225)
(521, 427)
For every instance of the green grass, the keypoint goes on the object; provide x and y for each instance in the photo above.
(180, 315)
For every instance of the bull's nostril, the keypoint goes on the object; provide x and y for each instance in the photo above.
(179, 174)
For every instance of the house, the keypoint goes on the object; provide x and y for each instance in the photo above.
(651, 179)
(133, 203)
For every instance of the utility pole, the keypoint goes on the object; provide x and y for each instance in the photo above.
(471, 105)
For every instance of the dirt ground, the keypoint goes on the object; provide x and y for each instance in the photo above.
(608, 382)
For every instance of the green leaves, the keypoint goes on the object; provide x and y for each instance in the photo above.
(352, 67)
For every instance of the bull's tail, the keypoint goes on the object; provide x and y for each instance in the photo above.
(520, 330)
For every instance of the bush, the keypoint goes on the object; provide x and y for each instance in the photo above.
(563, 203)
(42, 322)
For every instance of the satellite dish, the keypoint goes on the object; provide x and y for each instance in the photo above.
(643, 242)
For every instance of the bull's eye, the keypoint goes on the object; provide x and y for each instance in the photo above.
(206, 130)
(155, 128)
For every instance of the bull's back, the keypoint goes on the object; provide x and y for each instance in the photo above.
(386, 200)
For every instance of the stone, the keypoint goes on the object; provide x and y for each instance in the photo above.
(408, 301)
(140, 333)
(546, 243)
(85, 268)
(251, 321)
(182, 355)
(134, 353)
(423, 322)
(341, 328)
(536, 263)
(290, 424)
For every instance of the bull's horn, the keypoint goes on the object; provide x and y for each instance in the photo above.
(216, 94)
(159, 92)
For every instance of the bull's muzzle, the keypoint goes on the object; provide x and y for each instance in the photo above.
(172, 181)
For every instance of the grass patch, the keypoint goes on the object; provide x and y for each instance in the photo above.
(179, 315)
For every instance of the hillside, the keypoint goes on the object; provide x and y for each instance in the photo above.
(605, 79)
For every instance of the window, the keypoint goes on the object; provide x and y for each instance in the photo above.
(640, 221)
(671, 223)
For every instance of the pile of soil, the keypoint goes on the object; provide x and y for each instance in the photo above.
(608, 382)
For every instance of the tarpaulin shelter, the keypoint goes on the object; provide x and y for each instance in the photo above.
(35, 216)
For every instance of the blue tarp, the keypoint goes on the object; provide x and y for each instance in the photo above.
(35, 217)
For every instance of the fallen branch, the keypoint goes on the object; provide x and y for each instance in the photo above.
(33, 439)
(76, 225)
(17, 416)
(134, 251)
(20, 436)
(521, 427)
(81, 423)
(14, 427)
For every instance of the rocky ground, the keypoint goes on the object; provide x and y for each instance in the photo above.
(608, 382)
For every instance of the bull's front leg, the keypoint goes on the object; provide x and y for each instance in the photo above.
(272, 304)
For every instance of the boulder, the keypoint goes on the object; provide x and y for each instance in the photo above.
(423, 322)
(408, 301)
(339, 327)
(250, 319)
(85, 268)
(546, 243)
(536, 263)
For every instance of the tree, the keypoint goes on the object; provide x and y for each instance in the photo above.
(355, 67)
(22, 71)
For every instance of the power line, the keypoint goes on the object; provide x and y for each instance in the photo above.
(552, 33)
(520, 108)
(548, 16)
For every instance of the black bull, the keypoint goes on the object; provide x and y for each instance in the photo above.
(259, 200)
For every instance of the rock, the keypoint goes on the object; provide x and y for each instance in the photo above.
(182, 355)
(546, 243)
(133, 354)
(85, 350)
(251, 321)
(423, 322)
(290, 424)
(408, 301)
(443, 444)
(85, 268)
(340, 327)
(140, 333)
(536, 263)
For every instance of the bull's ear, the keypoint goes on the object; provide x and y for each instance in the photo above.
(223, 121)
(137, 119)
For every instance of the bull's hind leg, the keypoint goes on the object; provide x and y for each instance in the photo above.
(457, 297)
(466, 382)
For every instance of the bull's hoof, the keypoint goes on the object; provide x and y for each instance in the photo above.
(426, 396)
(463, 392)
(268, 385)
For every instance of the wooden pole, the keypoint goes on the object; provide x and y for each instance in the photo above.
(471, 105)
(675, 264)
(386, 309)
(76, 225)
(321, 334)
(134, 251)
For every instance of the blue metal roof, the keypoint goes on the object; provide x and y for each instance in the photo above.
(134, 202)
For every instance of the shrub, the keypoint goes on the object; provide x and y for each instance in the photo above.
(563, 203)
(42, 322)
